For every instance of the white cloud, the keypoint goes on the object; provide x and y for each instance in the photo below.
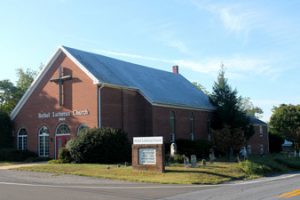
(237, 67)
(238, 18)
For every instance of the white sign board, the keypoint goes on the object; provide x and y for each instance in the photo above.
(147, 156)
(148, 140)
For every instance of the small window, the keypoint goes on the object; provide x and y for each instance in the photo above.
(82, 129)
(192, 126)
(22, 139)
(172, 126)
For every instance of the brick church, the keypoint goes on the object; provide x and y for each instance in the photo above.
(78, 89)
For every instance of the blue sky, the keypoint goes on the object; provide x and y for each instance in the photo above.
(258, 41)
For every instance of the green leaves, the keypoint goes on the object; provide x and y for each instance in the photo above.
(285, 120)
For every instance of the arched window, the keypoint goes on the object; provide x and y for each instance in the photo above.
(172, 126)
(22, 139)
(44, 142)
(82, 129)
(63, 129)
(192, 126)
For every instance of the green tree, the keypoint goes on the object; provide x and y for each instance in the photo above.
(200, 87)
(249, 108)
(11, 94)
(230, 122)
(25, 78)
(285, 120)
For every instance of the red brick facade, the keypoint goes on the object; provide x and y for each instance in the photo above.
(120, 108)
(259, 142)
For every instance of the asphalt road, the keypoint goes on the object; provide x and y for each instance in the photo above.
(15, 185)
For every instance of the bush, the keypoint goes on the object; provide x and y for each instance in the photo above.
(104, 145)
(293, 163)
(64, 155)
(6, 140)
(198, 147)
(252, 168)
(16, 155)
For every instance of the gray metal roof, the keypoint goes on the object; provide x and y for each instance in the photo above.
(158, 87)
(254, 120)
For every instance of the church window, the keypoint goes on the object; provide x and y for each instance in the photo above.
(22, 139)
(82, 129)
(172, 126)
(63, 129)
(192, 126)
(44, 142)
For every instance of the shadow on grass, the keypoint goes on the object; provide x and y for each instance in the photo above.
(199, 172)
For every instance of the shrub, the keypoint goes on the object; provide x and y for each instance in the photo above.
(6, 140)
(198, 147)
(293, 163)
(104, 145)
(16, 155)
(177, 158)
(64, 155)
(252, 168)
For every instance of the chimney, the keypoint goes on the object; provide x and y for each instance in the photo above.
(175, 69)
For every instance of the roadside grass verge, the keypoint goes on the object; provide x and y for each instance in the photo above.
(6, 163)
(211, 174)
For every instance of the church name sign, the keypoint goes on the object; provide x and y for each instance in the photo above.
(63, 115)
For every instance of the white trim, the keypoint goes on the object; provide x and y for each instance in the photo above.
(44, 134)
(82, 67)
(22, 136)
(42, 74)
(34, 85)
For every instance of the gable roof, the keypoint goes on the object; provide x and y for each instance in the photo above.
(157, 86)
(255, 121)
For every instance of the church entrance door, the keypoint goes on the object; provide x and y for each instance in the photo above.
(61, 141)
(62, 136)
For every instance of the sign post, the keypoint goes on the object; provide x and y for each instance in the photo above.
(148, 153)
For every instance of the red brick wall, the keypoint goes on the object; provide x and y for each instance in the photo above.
(161, 123)
(259, 139)
(80, 93)
(127, 110)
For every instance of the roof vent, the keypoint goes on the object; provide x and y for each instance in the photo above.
(175, 69)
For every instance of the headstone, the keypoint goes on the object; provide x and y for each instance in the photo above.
(193, 161)
(212, 157)
(173, 149)
(203, 162)
(186, 161)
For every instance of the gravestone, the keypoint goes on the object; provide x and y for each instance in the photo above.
(186, 161)
(193, 161)
(148, 153)
(173, 149)
(212, 157)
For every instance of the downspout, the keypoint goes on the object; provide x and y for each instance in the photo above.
(99, 105)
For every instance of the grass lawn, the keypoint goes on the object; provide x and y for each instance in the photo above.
(215, 173)
(6, 163)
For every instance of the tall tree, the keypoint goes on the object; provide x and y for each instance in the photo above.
(285, 120)
(230, 123)
(249, 108)
(25, 78)
(200, 87)
(11, 94)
